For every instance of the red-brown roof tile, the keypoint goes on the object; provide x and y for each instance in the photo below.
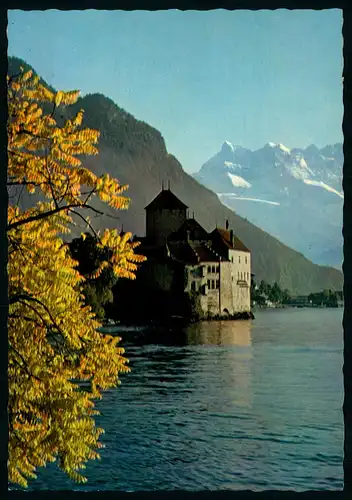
(182, 252)
(226, 239)
(205, 254)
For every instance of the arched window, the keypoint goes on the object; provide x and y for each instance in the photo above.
(209, 269)
(239, 259)
(245, 259)
(213, 284)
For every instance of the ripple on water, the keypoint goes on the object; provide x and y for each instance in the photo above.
(262, 415)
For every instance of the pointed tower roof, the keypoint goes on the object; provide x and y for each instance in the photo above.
(166, 199)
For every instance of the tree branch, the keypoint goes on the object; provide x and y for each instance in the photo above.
(88, 224)
(20, 297)
(25, 183)
(50, 182)
(25, 364)
(43, 215)
(32, 134)
(66, 190)
(90, 194)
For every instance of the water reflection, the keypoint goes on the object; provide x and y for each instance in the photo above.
(231, 366)
(224, 405)
(221, 333)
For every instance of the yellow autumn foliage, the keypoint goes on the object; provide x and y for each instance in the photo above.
(53, 339)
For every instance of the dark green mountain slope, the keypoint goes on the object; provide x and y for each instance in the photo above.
(135, 153)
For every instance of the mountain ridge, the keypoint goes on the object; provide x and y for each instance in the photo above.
(135, 153)
(304, 184)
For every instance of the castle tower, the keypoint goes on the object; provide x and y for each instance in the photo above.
(164, 215)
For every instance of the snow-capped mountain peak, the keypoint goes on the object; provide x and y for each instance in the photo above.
(279, 146)
(324, 186)
(303, 185)
(284, 148)
(238, 181)
(232, 166)
(228, 146)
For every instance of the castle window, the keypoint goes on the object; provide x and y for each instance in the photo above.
(212, 284)
(193, 286)
(245, 259)
(209, 269)
(239, 259)
(208, 283)
(213, 269)
(232, 259)
(217, 269)
(217, 283)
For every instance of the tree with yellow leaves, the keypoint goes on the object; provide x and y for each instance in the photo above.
(53, 337)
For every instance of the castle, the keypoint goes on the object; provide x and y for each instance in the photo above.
(216, 265)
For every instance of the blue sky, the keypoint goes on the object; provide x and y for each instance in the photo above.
(201, 78)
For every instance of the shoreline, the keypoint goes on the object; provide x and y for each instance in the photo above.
(289, 306)
(179, 320)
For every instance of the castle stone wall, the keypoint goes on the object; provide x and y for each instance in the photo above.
(161, 223)
(226, 287)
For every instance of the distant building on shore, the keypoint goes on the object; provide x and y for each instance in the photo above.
(182, 255)
(300, 301)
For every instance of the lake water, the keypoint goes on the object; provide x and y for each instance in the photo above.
(226, 405)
